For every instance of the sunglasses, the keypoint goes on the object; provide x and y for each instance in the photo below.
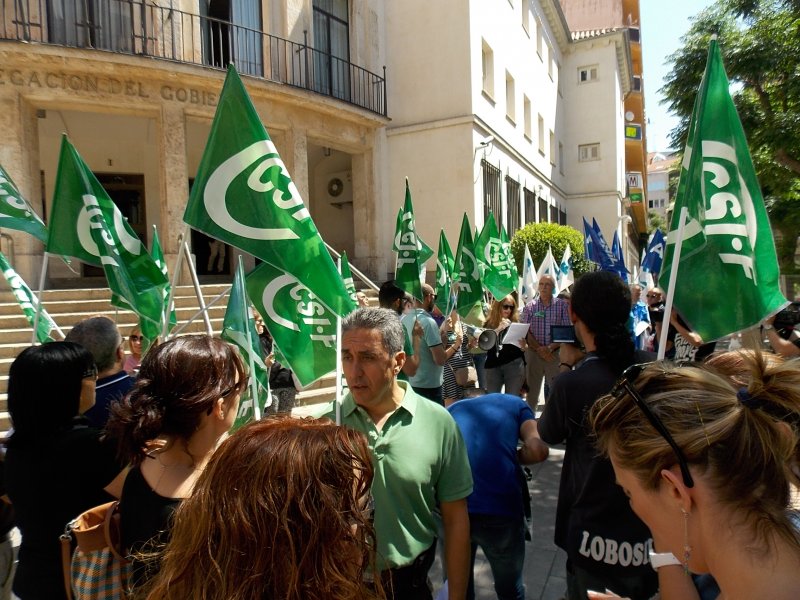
(136, 338)
(90, 373)
(625, 386)
(508, 306)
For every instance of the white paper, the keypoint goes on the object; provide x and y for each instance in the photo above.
(516, 333)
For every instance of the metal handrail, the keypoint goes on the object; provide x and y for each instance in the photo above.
(370, 284)
(139, 28)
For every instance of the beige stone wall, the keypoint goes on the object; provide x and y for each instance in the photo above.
(138, 115)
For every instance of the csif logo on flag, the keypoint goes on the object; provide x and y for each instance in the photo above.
(91, 217)
(286, 290)
(466, 272)
(406, 241)
(496, 256)
(268, 177)
(730, 210)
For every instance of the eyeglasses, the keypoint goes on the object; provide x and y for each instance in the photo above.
(90, 373)
(508, 307)
(136, 338)
(625, 385)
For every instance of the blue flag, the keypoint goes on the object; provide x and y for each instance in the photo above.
(588, 246)
(616, 250)
(655, 253)
(601, 252)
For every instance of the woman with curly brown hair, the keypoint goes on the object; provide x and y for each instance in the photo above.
(708, 460)
(281, 511)
(183, 403)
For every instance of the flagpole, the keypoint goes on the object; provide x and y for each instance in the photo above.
(39, 301)
(213, 301)
(338, 398)
(198, 292)
(673, 272)
(252, 360)
(175, 275)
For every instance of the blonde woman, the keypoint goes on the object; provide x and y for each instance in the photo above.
(134, 360)
(708, 464)
(505, 363)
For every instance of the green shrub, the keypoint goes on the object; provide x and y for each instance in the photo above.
(539, 235)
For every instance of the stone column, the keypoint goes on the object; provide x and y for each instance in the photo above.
(174, 184)
(19, 155)
(367, 229)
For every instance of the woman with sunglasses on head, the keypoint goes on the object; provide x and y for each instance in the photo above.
(709, 461)
(505, 363)
(282, 511)
(56, 465)
(184, 402)
(605, 542)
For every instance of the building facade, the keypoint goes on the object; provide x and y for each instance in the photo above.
(501, 106)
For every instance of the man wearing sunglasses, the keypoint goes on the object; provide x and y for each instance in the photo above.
(101, 337)
(607, 545)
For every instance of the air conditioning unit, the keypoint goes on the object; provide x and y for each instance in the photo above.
(339, 187)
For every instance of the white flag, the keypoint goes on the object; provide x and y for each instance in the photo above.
(565, 275)
(549, 267)
(529, 279)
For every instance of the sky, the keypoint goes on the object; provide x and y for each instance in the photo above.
(662, 24)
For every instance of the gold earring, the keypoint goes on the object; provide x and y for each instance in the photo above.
(687, 549)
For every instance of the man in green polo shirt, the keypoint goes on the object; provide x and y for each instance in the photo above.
(419, 456)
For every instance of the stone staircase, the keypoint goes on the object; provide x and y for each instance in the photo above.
(69, 306)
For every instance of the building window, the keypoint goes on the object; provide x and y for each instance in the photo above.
(552, 148)
(539, 37)
(487, 62)
(541, 135)
(526, 109)
(512, 205)
(562, 217)
(550, 61)
(492, 189)
(587, 152)
(560, 158)
(511, 111)
(530, 205)
(542, 210)
(526, 16)
(587, 74)
(553, 214)
(332, 39)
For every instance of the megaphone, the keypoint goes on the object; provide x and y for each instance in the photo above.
(487, 339)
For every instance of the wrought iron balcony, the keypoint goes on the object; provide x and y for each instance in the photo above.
(140, 28)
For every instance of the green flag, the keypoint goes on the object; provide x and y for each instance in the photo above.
(15, 212)
(410, 264)
(347, 278)
(244, 196)
(466, 272)
(86, 224)
(727, 240)
(493, 259)
(302, 327)
(27, 302)
(157, 254)
(444, 275)
(505, 245)
(239, 328)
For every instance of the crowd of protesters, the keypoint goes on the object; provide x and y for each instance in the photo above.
(668, 469)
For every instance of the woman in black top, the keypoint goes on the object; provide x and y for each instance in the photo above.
(56, 466)
(184, 402)
(505, 363)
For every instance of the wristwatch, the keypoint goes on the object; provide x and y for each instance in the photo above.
(662, 559)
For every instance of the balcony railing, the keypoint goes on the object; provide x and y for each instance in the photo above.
(140, 28)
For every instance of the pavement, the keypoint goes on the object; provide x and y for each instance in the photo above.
(545, 564)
